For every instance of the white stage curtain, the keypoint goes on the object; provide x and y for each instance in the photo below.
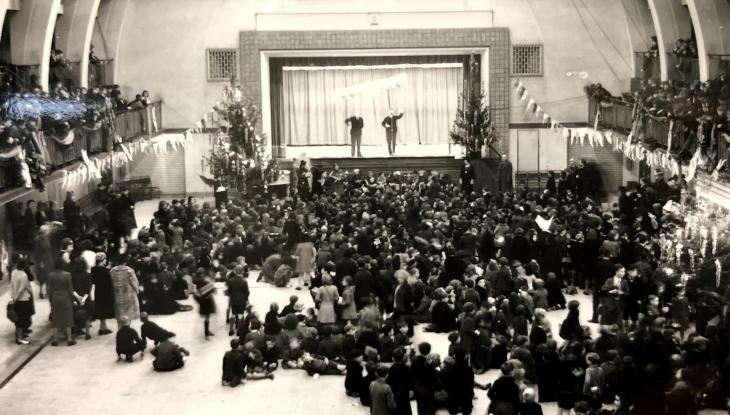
(313, 115)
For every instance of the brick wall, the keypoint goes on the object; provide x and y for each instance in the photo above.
(497, 39)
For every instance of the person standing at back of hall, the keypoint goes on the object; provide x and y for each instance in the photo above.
(504, 174)
(356, 124)
(390, 123)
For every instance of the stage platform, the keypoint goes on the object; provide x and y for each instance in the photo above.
(408, 158)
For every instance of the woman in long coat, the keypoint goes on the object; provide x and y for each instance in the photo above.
(126, 290)
(305, 254)
(103, 293)
(349, 312)
(61, 296)
(327, 297)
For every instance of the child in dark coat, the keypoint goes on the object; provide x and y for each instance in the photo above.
(128, 341)
(272, 325)
(354, 378)
(529, 406)
(555, 298)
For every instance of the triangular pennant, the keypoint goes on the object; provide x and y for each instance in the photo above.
(525, 95)
(598, 138)
(609, 136)
(530, 103)
(126, 152)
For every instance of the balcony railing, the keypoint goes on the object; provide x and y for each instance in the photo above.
(647, 67)
(137, 123)
(130, 125)
(617, 115)
(21, 74)
(683, 68)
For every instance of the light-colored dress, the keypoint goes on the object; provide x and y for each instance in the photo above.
(327, 296)
(126, 287)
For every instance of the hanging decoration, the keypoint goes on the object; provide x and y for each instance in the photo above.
(372, 87)
(633, 150)
(89, 170)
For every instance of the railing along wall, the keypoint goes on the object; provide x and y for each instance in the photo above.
(618, 116)
(129, 125)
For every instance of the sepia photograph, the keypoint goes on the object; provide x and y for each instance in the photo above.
(366, 207)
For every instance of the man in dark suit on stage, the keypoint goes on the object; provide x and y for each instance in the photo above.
(390, 123)
(356, 123)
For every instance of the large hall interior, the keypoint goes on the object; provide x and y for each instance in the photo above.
(502, 207)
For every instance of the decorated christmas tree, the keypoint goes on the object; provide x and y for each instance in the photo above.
(473, 124)
(237, 158)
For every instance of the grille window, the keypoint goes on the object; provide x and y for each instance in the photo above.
(527, 60)
(222, 64)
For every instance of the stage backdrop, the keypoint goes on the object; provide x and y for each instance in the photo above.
(313, 114)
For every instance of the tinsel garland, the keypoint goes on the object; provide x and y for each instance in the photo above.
(22, 107)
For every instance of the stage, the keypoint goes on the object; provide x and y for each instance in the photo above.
(408, 158)
(374, 151)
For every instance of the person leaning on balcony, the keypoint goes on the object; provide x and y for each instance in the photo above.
(137, 104)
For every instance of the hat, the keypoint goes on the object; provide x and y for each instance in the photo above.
(504, 261)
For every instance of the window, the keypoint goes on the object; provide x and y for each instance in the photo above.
(527, 60)
(222, 64)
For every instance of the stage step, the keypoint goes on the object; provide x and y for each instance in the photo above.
(443, 164)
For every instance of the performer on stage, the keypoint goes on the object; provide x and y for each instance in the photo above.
(391, 129)
(356, 123)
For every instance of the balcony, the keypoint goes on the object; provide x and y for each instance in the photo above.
(21, 75)
(130, 125)
(616, 115)
(683, 69)
(101, 73)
